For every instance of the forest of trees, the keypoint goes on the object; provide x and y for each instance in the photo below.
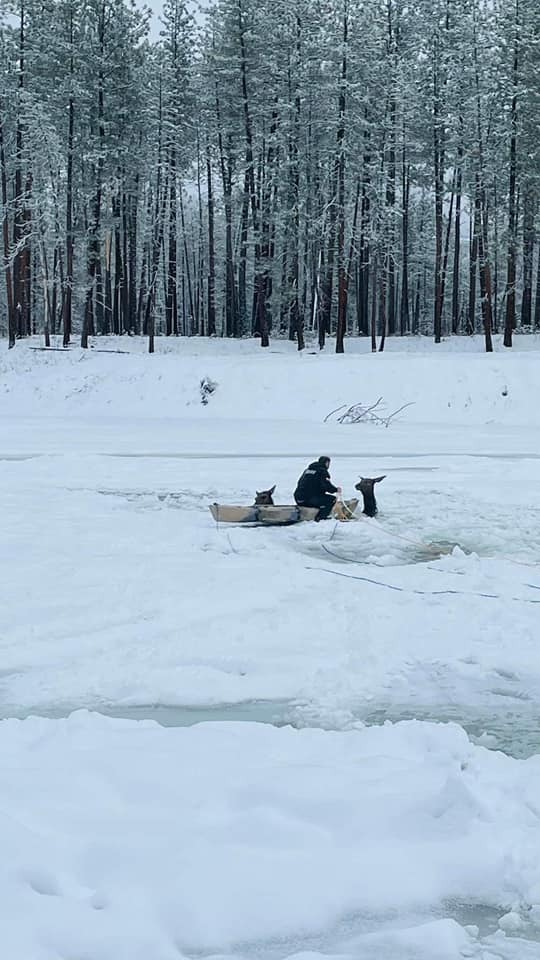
(282, 168)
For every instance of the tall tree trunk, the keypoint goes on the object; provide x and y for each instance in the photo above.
(132, 256)
(537, 297)
(95, 223)
(510, 290)
(343, 279)
(119, 278)
(171, 303)
(187, 268)
(404, 317)
(211, 284)
(107, 285)
(391, 214)
(363, 272)
(481, 211)
(528, 251)
(67, 293)
(292, 271)
(383, 287)
(22, 255)
(5, 232)
(447, 246)
(231, 302)
(374, 287)
(438, 161)
(260, 280)
(457, 236)
(484, 268)
(473, 262)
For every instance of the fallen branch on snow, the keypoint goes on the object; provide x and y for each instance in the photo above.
(360, 413)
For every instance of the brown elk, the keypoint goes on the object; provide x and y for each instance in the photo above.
(366, 489)
(263, 498)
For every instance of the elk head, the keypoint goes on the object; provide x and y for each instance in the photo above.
(263, 498)
(366, 489)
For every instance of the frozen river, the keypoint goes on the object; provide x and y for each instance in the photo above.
(315, 741)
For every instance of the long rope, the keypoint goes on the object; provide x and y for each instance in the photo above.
(342, 504)
(424, 593)
(400, 536)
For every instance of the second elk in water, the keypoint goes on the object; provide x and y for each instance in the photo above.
(365, 487)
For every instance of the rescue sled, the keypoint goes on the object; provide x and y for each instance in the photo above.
(278, 515)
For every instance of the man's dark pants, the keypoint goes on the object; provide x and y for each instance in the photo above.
(325, 508)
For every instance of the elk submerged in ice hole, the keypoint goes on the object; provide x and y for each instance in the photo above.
(365, 487)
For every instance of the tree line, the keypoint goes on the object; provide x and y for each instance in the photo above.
(287, 167)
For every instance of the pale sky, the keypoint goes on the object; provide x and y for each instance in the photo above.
(156, 6)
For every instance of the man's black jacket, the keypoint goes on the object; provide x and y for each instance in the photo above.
(314, 485)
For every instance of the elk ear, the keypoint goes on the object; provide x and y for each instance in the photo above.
(272, 489)
(378, 479)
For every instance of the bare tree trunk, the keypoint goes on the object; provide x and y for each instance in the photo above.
(447, 247)
(363, 273)
(457, 237)
(510, 290)
(5, 232)
(374, 286)
(21, 218)
(391, 213)
(158, 227)
(438, 159)
(382, 301)
(481, 214)
(404, 317)
(186, 260)
(93, 240)
(343, 279)
(537, 297)
(132, 258)
(211, 287)
(484, 272)
(171, 303)
(528, 251)
(261, 277)
(473, 259)
(231, 303)
(296, 315)
(107, 292)
(119, 274)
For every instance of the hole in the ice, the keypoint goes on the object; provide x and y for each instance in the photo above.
(275, 712)
(344, 938)
(514, 729)
(515, 732)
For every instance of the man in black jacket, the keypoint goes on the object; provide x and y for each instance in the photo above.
(315, 489)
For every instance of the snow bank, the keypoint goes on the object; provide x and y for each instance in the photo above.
(124, 841)
(454, 384)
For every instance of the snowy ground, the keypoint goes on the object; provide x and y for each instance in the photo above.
(119, 593)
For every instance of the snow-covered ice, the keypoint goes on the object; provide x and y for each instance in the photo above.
(123, 841)
(118, 592)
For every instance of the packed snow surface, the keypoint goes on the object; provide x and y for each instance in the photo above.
(119, 593)
(152, 842)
